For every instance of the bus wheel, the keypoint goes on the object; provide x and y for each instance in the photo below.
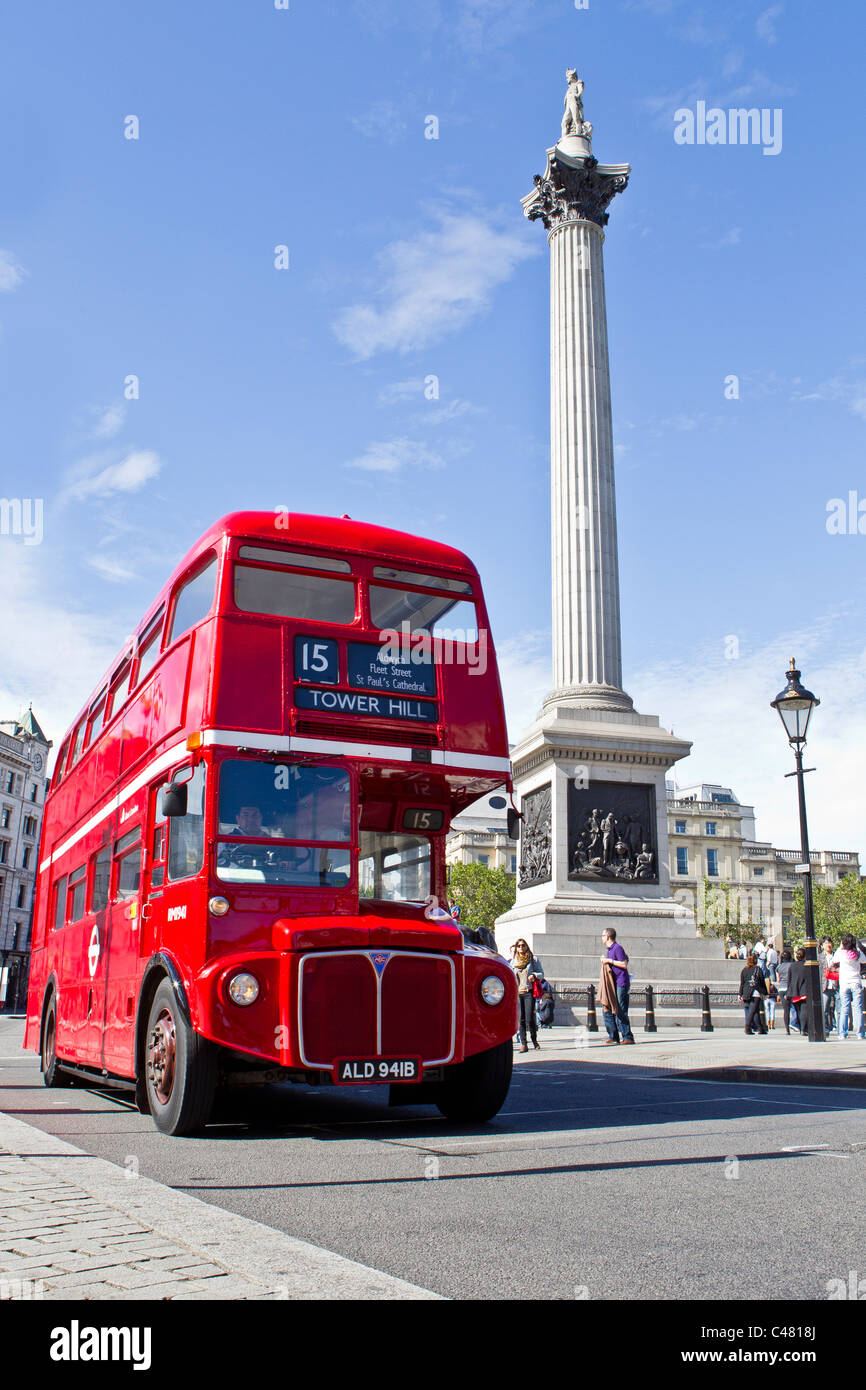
(180, 1068)
(52, 1072)
(475, 1090)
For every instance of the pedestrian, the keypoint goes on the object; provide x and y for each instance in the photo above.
(849, 958)
(785, 963)
(526, 967)
(734, 952)
(829, 976)
(615, 964)
(753, 991)
(771, 961)
(798, 991)
(545, 1004)
(760, 950)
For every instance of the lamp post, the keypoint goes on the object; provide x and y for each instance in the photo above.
(795, 707)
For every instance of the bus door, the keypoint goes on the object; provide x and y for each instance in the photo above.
(123, 951)
(92, 953)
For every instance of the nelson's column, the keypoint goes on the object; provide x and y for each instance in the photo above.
(590, 772)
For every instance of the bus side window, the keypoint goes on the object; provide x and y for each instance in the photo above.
(77, 888)
(186, 833)
(127, 856)
(148, 648)
(60, 764)
(60, 902)
(100, 880)
(79, 739)
(193, 601)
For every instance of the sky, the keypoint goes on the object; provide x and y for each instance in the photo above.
(163, 362)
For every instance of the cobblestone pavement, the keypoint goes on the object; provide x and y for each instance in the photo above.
(77, 1227)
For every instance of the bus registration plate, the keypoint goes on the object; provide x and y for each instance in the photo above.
(372, 1071)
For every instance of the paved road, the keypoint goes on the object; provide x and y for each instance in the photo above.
(593, 1182)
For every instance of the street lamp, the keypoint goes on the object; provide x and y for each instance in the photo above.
(795, 707)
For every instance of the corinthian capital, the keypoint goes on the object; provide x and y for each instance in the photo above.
(573, 190)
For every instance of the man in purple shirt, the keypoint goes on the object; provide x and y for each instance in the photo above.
(619, 960)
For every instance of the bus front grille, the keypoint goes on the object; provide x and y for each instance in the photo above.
(377, 1003)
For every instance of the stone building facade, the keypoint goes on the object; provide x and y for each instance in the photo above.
(712, 840)
(23, 778)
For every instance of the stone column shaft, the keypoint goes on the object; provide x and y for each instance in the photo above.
(586, 617)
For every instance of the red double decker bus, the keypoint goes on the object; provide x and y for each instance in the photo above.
(242, 873)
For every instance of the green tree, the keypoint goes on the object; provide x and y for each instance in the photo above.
(483, 894)
(837, 910)
(720, 913)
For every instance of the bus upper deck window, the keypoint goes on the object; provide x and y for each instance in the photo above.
(288, 593)
(193, 602)
(441, 615)
(148, 648)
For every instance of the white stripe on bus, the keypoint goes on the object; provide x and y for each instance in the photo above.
(277, 743)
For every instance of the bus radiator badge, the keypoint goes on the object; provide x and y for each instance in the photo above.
(380, 960)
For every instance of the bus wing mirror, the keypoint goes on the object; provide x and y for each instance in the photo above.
(174, 799)
(514, 819)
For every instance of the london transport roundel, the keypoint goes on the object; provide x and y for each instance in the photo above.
(93, 952)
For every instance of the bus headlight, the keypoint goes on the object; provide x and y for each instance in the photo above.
(492, 990)
(243, 989)
(218, 906)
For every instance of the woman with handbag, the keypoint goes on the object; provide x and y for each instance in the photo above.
(753, 992)
(797, 991)
(785, 963)
(527, 968)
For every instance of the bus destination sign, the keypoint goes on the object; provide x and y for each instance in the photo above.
(366, 706)
(375, 668)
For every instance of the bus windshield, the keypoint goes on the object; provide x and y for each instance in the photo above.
(263, 806)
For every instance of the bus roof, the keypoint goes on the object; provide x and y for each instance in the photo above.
(299, 528)
(338, 533)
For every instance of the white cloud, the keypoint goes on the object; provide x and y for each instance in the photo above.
(731, 238)
(765, 26)
(526, 672)
(393, 455)
(11, 273)
(128, 475)
(433, 283)
(53, 653)
(401, 391)
(112, 570)
(110, 422)
(738, 741)
(381, 121)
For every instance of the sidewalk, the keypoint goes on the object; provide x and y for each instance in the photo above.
(77, 1227)
(724, 1055)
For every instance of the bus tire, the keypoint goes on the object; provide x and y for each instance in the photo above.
(475, 1090)
(180, 1069)
(52, 1072)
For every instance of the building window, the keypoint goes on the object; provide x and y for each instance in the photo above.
(711, 827)
(25, 857)
(483, 860)
(5, 817)
(22, 893)
(4, 851)
(682, 860)
(10, 781)
(758, 873)
(34, 792)
(713, 863)
(30, 826)
(514, 863)
(680, 827)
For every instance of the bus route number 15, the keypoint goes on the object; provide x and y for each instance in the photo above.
(316, 660)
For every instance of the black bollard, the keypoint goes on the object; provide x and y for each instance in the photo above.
(591, 1020)
(706, 1019)
(650, 1021)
